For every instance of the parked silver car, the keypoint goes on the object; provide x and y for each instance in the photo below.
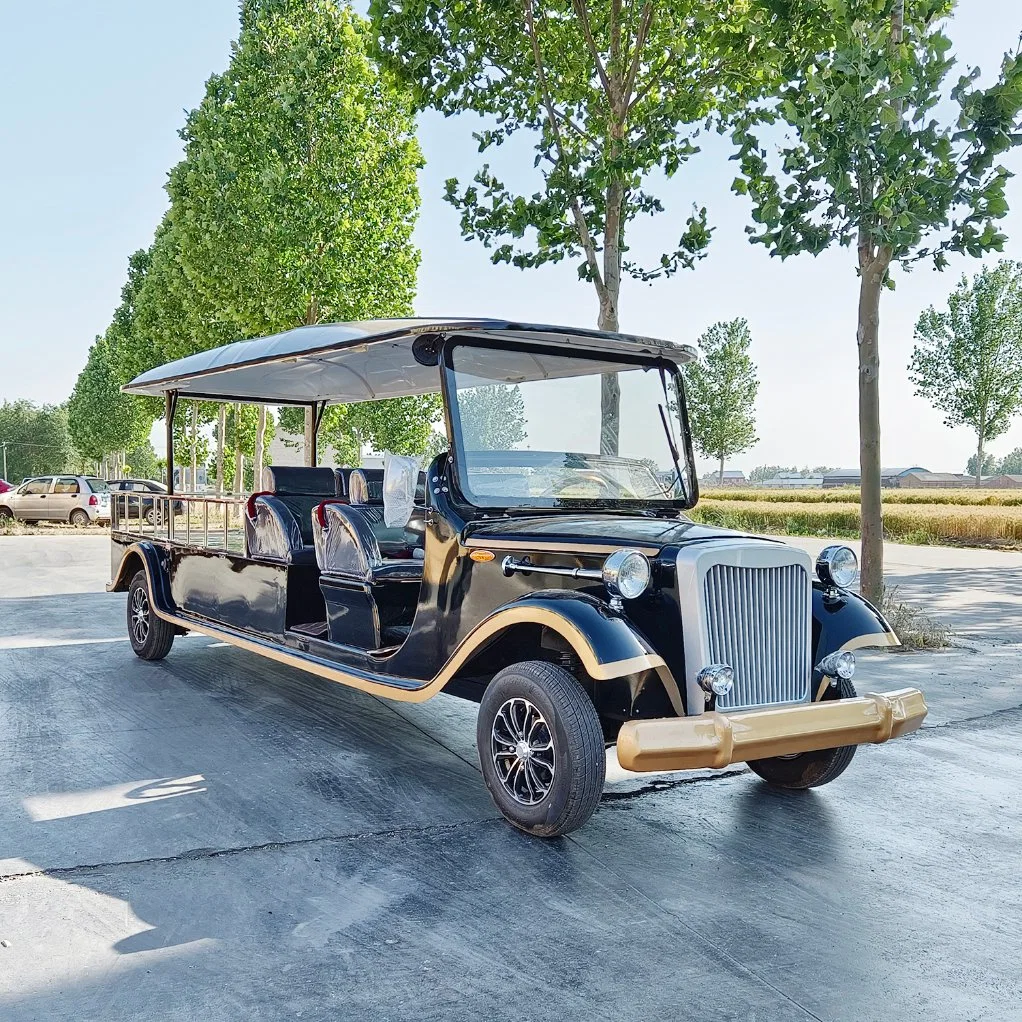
(80, 500)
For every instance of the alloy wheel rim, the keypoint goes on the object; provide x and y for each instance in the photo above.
(140, 615)
(522, 750)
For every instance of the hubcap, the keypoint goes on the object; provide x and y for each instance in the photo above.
(138, 616)
(522, 748)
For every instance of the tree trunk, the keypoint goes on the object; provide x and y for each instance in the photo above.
(310, 437)
(979, 461)
(221, 437)
(610, 383)
(257, 469)
(870, 498)
(720, 478)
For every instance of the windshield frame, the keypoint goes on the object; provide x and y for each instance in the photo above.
(683, 440)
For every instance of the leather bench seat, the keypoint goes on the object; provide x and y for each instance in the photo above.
(278, 522)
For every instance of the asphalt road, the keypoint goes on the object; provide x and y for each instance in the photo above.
(217, 838)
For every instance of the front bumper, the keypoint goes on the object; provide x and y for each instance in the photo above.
(718, 739)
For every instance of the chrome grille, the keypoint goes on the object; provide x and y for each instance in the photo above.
(758, 621)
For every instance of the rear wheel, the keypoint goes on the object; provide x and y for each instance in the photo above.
(809, 769)
(151, 637)
(150, 515)
(541, 748)
(79, 518)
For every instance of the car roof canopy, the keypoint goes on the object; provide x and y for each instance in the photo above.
(363, 361)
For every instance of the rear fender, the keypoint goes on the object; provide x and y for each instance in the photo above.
(154, 561)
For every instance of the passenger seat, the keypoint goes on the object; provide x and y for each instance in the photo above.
(278, 522)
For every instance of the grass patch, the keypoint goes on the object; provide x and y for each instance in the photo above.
(915, 629)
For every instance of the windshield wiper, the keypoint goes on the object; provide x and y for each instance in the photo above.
(670, 436)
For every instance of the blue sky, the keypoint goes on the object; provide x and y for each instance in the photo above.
(94, 95)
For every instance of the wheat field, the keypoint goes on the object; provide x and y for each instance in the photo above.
(944, 520)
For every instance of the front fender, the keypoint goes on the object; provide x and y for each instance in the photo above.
(847, 621)
(606, 644)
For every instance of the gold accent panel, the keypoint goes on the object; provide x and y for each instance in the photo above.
(482, 555)
(718, 739)
(871, 639)
(425, 690)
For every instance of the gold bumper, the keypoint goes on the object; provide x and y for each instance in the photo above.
(717, 739)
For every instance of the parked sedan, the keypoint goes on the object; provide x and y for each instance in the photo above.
(149, 489)
(80, 500)
(5, 486)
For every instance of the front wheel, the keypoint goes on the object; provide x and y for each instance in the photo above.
(6, 514)
(150, 515)
(541, 748)
(151, 637)
(809, 769)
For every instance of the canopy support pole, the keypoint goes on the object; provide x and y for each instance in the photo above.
(169, 412)
(318, 408)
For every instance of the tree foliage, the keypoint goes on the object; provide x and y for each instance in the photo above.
(492, 417)
(868, 160)
(1010, 464)
(35, 439)
(609, 95)
(721, 391)
(987, 467)
(967, 361)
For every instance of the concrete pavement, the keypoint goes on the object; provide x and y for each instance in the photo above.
(215, 837)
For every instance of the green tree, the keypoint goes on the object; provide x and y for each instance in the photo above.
(101, 419)
(978, 469)
(34, 440)
(1011, 463)
(296, 198)
(761, 473)
(611, 95)
(868, 162)
(721, 392)
(967, 361)
(492, 418)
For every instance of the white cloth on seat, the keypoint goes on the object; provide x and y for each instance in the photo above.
(400, 476)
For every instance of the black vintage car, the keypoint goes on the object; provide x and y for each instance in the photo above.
(543, 566)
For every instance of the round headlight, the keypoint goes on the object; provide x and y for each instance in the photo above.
(837, 566)
(626, 573)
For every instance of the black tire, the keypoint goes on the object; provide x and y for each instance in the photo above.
(150, 515)
(809, 769)
(6, 514)
(80, 518)
(151, 637)
(565, 796)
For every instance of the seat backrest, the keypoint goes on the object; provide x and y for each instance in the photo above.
(345, 543)
(278, 522)
(365, 486)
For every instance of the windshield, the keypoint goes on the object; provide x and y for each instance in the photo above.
(547, 428)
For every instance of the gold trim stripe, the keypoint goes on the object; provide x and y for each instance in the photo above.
(426, 690)
(871, 639)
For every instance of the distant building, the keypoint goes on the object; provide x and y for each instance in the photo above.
(732, 477)
(933, 480)
(852, 477)
(793, 481)
(1001, 482)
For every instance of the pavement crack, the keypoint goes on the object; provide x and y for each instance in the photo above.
(666, 784)
(978, 723)
(201, 854)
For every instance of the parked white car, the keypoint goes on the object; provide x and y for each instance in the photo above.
(80, 500)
